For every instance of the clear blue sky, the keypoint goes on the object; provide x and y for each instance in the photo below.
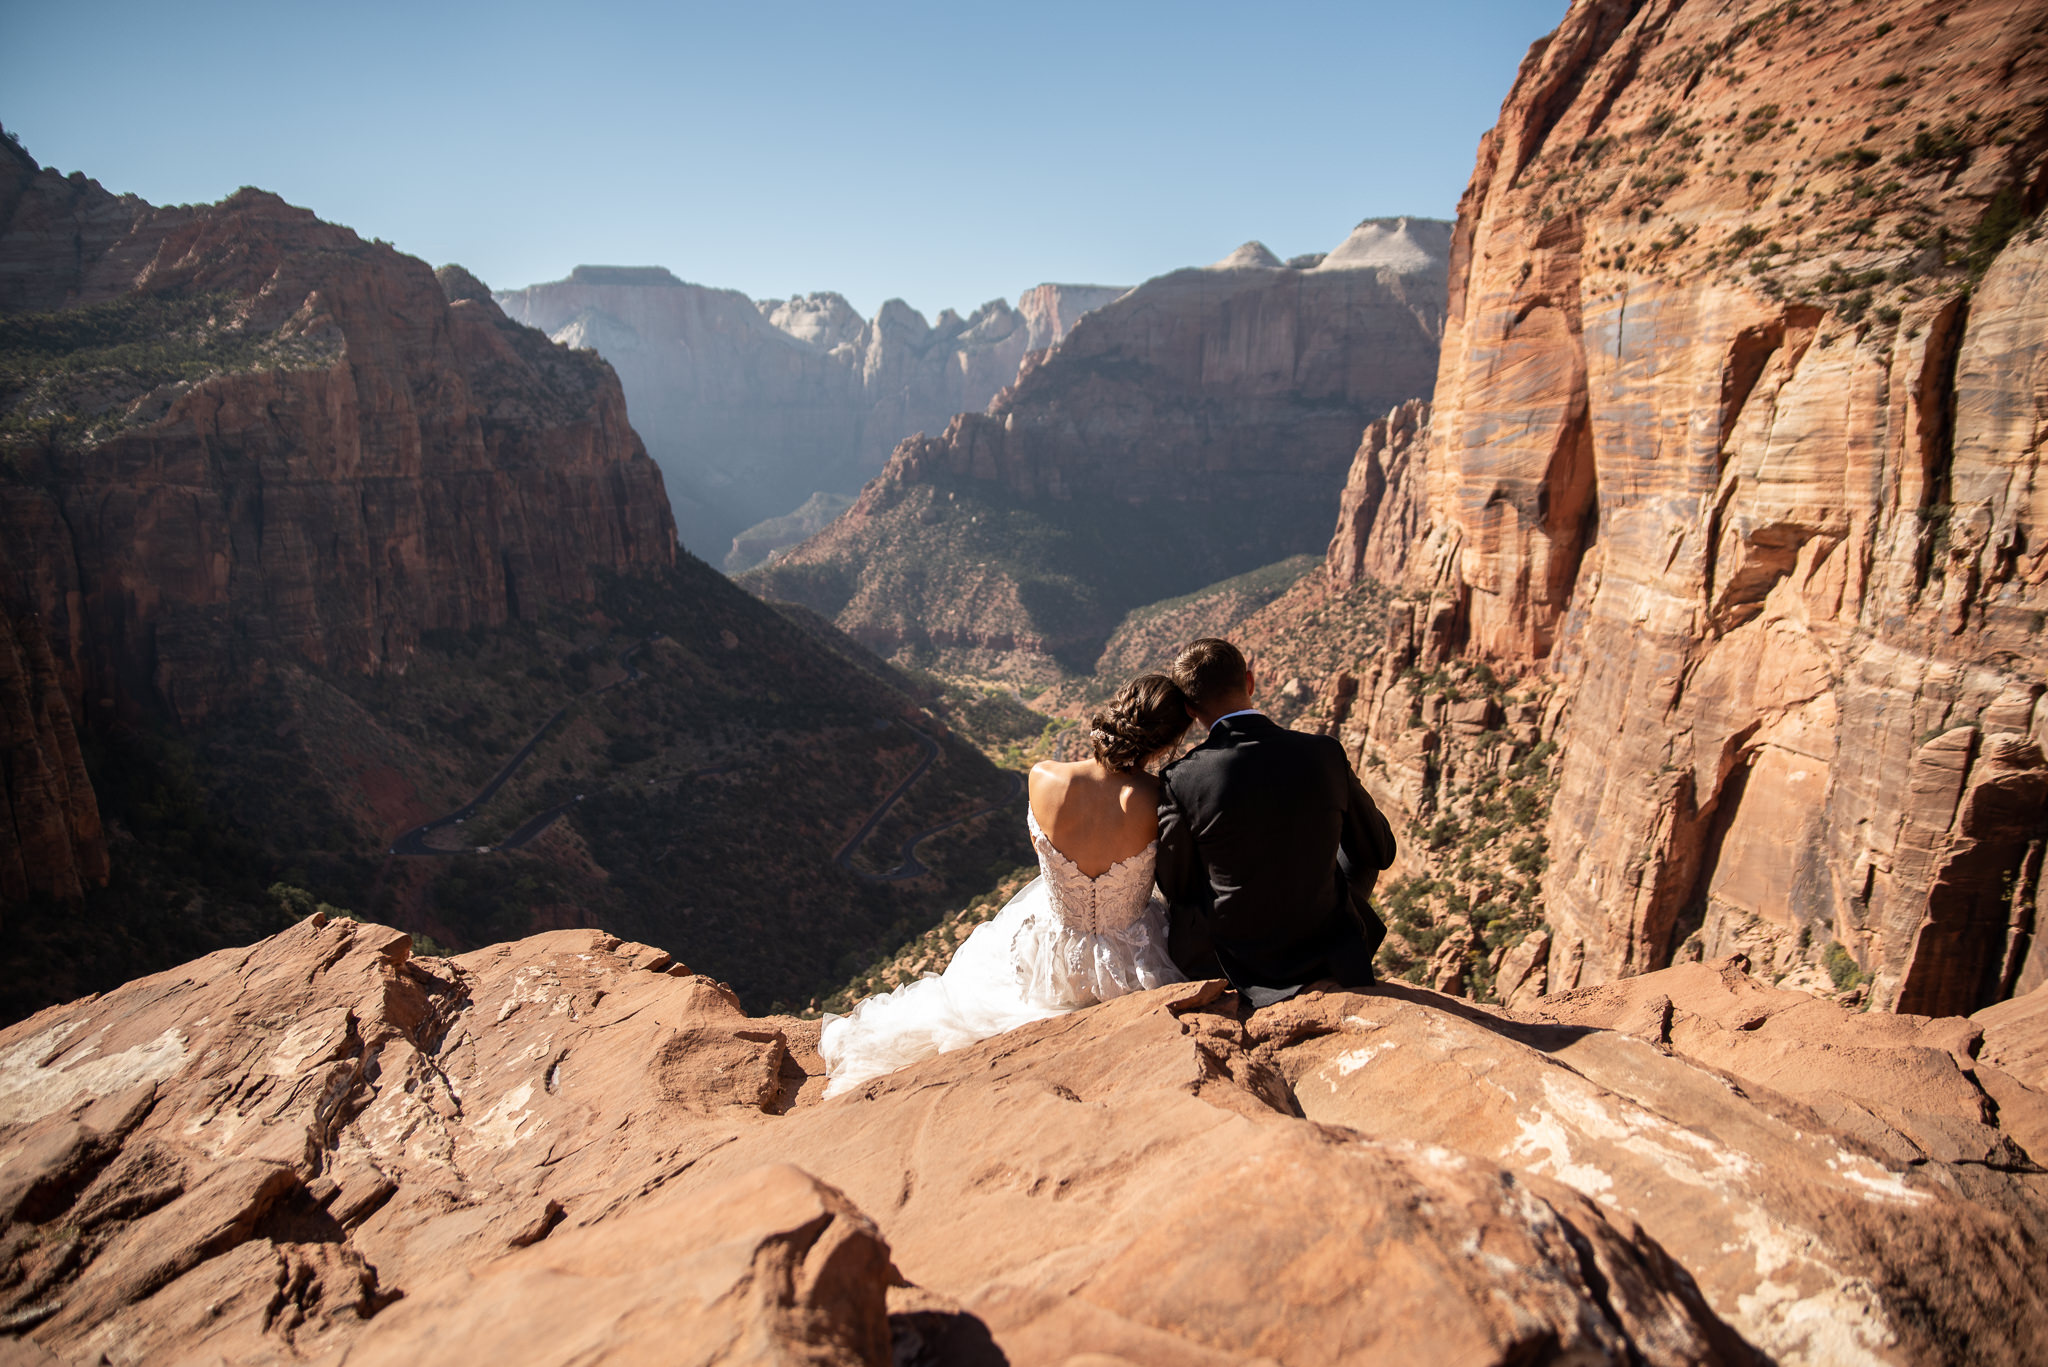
(944, 153)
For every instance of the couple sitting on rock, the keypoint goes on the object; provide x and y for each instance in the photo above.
(1263, 846)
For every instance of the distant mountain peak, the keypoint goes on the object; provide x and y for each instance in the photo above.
(1252, 255)
(624, 275)
(1406, 246)
(459, 284)
(824, 320)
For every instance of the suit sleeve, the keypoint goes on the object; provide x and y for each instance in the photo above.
(1367, 843)
(1181, 876)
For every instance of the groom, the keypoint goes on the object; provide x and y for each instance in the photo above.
(1268, 845)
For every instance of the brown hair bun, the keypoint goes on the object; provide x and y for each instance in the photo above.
(1146, 715)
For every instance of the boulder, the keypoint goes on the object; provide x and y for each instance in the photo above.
(1473, 716)
(1524, 972)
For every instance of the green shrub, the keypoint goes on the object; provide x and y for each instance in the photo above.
(1843, 968)
(2002, 218)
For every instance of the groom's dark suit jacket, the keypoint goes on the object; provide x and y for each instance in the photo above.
(1268, 851)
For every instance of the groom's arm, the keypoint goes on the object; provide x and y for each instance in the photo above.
(1367, 841)
(1180, 872)
(1183, 880)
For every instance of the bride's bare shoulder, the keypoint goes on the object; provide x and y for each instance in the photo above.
(1050, 779)
(1054, 773)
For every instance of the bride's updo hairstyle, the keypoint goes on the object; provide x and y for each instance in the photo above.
(1146, 715)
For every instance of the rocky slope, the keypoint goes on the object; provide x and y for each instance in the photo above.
(1194, 429)
(1731, 452)
(762, 540)
(752, 406)
(572, 1148)
(301, 546)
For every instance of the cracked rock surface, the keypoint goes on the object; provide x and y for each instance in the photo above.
(572, 1149)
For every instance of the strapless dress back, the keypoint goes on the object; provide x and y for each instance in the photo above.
(1064, 942)
(1110, 901)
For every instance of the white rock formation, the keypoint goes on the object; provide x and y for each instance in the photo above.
(752, 406)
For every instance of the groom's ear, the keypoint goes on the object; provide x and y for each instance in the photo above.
(1251, 680)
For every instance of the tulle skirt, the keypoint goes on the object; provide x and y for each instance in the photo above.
(1022, 966)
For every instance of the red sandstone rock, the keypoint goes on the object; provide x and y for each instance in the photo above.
(567, 1147)
(406, 463)
(1380, 515)
(53, 845)
(773, 1266)
(1724, 450)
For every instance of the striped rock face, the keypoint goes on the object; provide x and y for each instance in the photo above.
(1733, 442)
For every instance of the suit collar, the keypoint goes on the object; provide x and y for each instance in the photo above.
(1240, 725)
(1226, 731)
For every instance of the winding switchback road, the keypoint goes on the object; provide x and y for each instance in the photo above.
(907, 865)
(414, 841)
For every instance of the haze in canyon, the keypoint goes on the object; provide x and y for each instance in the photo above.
(1197, 427)
(326, 582)
(751, 407)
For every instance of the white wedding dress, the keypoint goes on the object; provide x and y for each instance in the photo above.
(1064, 942)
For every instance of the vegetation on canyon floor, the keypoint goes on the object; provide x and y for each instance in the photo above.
(1486, 839)
(710, 818)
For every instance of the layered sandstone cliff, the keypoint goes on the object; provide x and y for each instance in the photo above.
(1733, 449)
(752, 406)
(1196, 428)
(326, 456)
(50, 838)
(570, 1148)
(316, 547)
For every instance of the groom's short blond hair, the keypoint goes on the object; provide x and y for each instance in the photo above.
(1209, 670)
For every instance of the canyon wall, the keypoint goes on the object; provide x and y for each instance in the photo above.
(51, 843)
(1196, 428)
(329, 456)
(303, 545)
(1735, 443)
(752, 406)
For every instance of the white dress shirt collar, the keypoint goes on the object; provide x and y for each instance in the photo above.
(1241, 712)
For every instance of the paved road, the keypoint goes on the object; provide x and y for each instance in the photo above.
(844, 859)
(414, 841)
(907, 865)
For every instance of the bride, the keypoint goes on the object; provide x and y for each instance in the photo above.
(1090, 927)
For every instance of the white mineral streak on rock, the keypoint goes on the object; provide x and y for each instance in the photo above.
(305, 1041)
(30, 1091)
(1803, 1310)
(499, 1126)
(1879, 1183)
(1347, 1064)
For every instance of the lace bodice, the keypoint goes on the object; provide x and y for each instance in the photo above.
(1111, 901)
